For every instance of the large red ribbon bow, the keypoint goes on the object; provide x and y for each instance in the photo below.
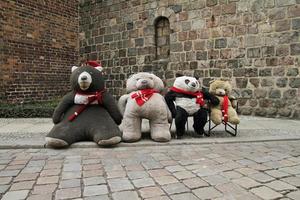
(142, 96)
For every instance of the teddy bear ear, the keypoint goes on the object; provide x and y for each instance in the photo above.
(178, 74)
(74, 68)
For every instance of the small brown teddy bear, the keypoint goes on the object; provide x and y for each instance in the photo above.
(225, 110)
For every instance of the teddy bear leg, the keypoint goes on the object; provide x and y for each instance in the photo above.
(106, 135)
(200, 119)
(216, 116)
(131, 129)
(160, 130)
(232, 116)
(180, 121)
(60, 136)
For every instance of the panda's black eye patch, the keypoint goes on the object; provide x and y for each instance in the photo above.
(187, 81)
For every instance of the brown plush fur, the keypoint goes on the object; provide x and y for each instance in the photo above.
(155, 110)
(220, 88)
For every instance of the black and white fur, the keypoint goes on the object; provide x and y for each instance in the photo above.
(182, 105)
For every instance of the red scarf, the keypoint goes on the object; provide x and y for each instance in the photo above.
(225, 108)
(198, 95)
(95, 96)
(142, 96)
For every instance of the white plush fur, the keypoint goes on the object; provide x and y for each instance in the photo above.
(189, 105)
(83, 99)
(155, 110)
(189, 84)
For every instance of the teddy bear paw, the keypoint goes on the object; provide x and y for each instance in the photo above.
(110, 141)
(56, 143)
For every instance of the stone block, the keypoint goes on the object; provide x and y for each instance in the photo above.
(290, 94)
(207, 193)
(296, 24)
(68, 193)
(132, 195)
(211, 2)
(282, 25)
(253, 53)
(292, 72)
(176, 47)
(294, 82)
(201, 55)
(280, 3)
(21, 194)
(241, 82)
(294, 11)
(229, 8)
(295, 49)
(94, 190)
(268, 51)
(220, 43)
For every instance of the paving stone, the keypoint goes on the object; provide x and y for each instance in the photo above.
(70, 183)
(116, 174)
(207, 193)
(175, 188)
(72, 167)
(68, 193)
(3, 188)
(183, 175)
(246, 171)
(34, 169)
(5, 173)
(47, 180)
(40, 197)
(92, 173)
(126, 195)
(159, 198)
(26, 177)
(158, 172)
(175, 168)
(215, 179)
(15, 195)
(5, 180)
(261, 177)
(277, 173)
(280, 186)
(187, 196)
(92, 167)
(50, 172)
(163, 180)
(246, 182)
(266, 193)
(94, 181)
(137, 174)
(100, 197)
(294, 195)
(195, 183)
(119, 184)
(25, 185)
(295, 181)
(70, 175)
(291, 170)
(143, 182)
(149, 192)
(94, 190)
(232, 175)
(44, 189)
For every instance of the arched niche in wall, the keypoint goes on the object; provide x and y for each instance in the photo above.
(162, 38)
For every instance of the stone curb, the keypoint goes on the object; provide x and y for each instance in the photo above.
(148, 143)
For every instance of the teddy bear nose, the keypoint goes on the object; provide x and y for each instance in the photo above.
(144, 81)
(193, 84)
(84, 78)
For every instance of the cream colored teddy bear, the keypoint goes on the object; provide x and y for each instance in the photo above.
(225, 110)
(144, 101)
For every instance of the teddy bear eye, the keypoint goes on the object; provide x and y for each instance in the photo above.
(187, 81)
(151, 78)
(138, 79)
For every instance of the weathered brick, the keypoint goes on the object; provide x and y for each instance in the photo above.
(282, 25)
(295, 49)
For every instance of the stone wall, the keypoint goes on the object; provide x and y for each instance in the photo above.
(38, 44)
(255, 43)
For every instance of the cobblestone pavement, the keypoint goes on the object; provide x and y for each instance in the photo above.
(269, 170)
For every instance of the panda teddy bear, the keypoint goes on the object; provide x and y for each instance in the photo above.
(186, 99)
(88, 112)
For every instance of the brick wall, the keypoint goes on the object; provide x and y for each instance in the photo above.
(38, 44)
(255, 43)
